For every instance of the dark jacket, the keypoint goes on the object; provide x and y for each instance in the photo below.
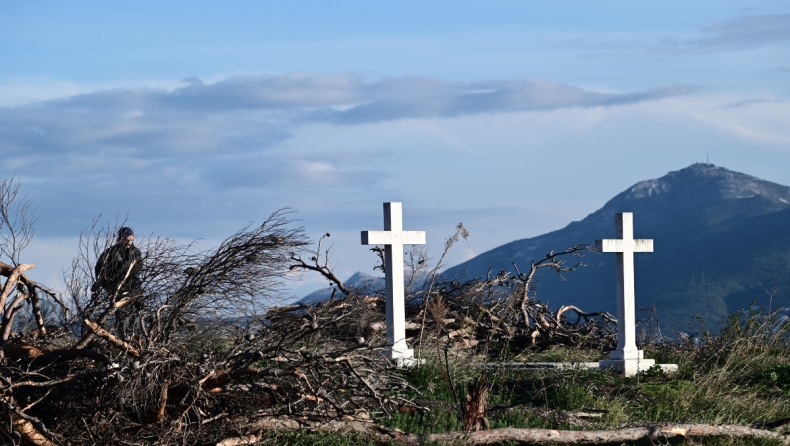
(113, 264)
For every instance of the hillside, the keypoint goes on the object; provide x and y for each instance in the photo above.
(721, 238)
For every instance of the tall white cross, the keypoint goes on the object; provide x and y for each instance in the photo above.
(625, 246)
(393, 237)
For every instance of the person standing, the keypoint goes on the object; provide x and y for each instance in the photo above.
(119, 266)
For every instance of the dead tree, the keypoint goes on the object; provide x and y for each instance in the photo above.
(17, 220)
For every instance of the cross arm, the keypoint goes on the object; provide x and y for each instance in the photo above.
(618, 245)
(392, 238)
(413, 237)
(377, 238)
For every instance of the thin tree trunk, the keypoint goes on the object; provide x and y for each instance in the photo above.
(111, 338)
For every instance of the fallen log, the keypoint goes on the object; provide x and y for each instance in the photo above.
(650, 432)
(525, 436)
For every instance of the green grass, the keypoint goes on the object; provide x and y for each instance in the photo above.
(436, 421)
(428, 382)
(306, 438)
(741, 376)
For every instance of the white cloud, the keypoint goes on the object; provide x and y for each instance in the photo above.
(111, 145)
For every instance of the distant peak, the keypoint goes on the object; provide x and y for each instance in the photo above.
(707, 168)
(709, 181)
(703, 166)
(711, 171)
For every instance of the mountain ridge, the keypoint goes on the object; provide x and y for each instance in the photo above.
(721, 241)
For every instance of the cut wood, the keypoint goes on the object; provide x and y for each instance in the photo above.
(29, 428)
(13, 277)
(30, 434)
(235, 441)
(7, 310)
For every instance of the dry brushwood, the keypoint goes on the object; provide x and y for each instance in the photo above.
(493, 312)
(195, 345)
(191, 297)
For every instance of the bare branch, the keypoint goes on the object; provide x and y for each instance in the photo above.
(316, 265)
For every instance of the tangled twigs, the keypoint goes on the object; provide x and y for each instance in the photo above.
(492, 310)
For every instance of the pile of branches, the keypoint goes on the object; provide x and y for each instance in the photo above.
(287, 364)
(498, 314)
(502, 311)
(196, 347)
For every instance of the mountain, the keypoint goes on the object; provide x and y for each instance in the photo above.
(721, 240)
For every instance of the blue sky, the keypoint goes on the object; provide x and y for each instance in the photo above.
(515, 118)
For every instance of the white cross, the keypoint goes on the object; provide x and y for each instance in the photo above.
(393, 237)
(625, 247)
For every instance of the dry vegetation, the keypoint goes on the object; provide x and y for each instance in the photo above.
(204, 357)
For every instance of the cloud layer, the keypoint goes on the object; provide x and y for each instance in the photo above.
(235, 133)
(746, 32)
(202, 159)
(739, 33)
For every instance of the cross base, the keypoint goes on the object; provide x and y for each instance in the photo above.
(628, 367)
(402, 357)
(631, 353)
(398, 353)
